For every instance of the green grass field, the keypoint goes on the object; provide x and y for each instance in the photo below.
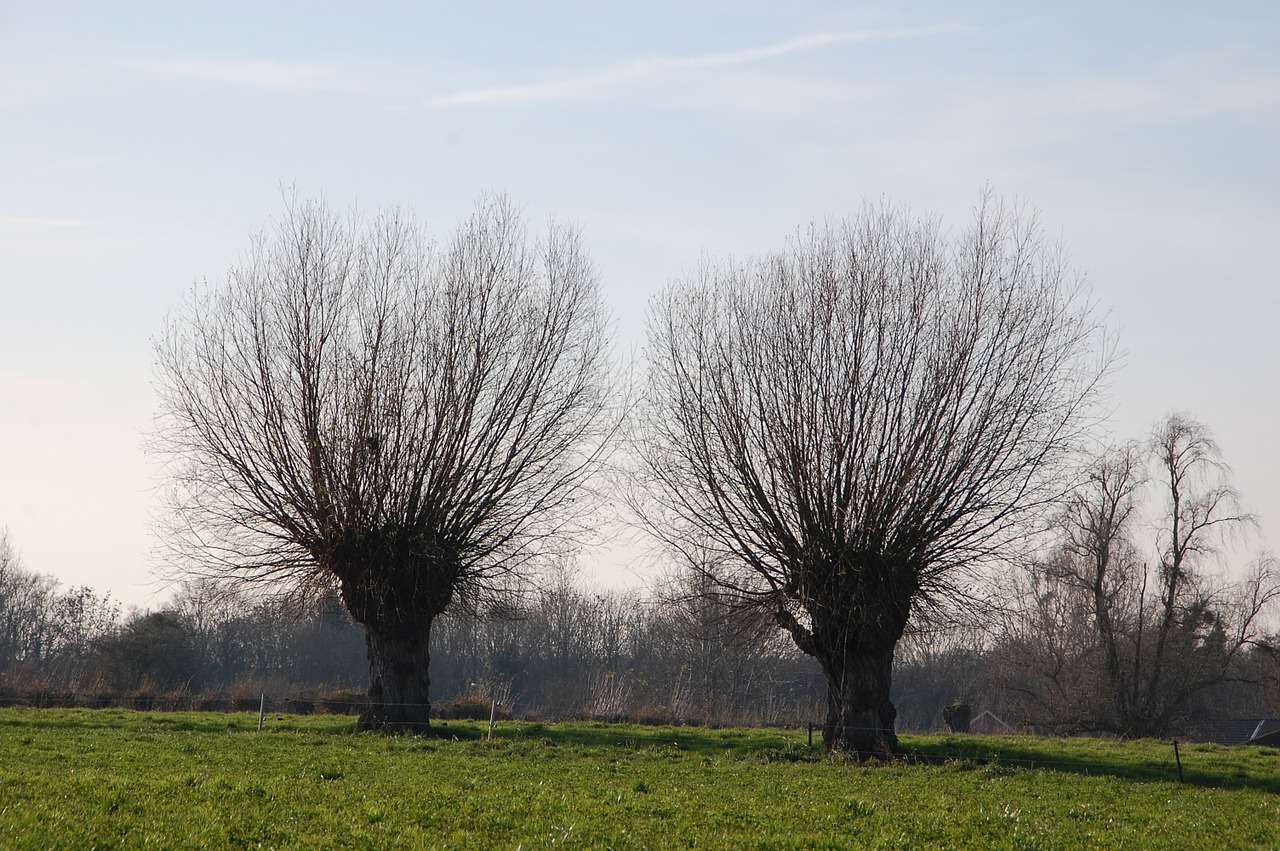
(116, 778)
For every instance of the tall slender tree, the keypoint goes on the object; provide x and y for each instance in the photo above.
(355, 407)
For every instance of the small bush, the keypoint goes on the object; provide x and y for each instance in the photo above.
(341, 702)
(471, 707)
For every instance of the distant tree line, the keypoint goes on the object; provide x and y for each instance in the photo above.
(563, 651)
(47, 634)
(666, 654)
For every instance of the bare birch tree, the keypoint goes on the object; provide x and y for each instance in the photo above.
(849, 426)
(1152, 625)
(355, 407)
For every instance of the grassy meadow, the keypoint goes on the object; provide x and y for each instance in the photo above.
(116, 778)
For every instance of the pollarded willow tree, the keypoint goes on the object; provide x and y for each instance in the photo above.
(357, 407)
(841, 433)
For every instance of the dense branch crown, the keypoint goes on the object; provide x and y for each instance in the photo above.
(864, 411)
(356, 403)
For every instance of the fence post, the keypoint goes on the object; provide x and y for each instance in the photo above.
(262, 712)
(810, 737)
(1178, 758)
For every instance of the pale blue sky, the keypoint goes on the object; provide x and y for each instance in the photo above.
(140, 143)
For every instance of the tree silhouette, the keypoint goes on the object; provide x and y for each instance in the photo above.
(841, 431)
(355, 407)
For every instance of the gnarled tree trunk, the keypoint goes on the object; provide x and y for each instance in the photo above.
(857, 606)
(860, 714)
(399, 682)
(396, 605)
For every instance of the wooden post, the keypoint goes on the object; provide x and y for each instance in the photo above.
(493, 717)
(810, 737)
(1178, 757)
(262, 712)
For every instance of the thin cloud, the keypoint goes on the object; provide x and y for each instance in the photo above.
(645, 69)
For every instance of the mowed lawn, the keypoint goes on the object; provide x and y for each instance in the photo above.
(116, 778)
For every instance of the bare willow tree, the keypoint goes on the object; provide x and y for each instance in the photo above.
(842, 431)
(357, 407)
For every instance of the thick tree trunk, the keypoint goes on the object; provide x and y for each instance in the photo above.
(398, 676)
(860, 715)
(857, 612)
(396, 600)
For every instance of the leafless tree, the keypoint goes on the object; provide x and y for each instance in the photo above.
(23, 606)
(356, 407)
(852, 425)
(1150, 624)
(46, 633)
(1098, 562)
(9, 558)
(726, 655)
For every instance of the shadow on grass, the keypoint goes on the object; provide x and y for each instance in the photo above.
(585, 734)
(1204, 765)
(632, 738)
(591, 734)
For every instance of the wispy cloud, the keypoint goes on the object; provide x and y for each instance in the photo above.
(644, 69)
